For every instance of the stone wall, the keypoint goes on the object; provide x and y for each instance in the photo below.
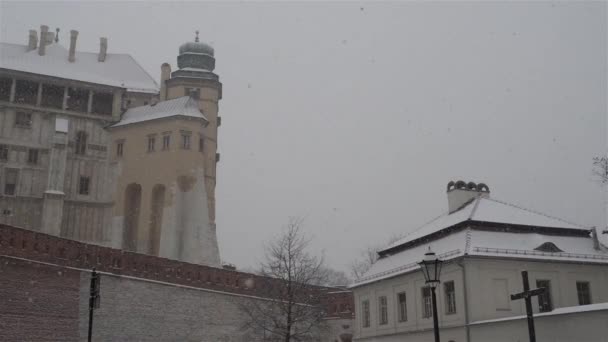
(44, 293)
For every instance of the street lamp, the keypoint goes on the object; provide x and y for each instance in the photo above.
(431, 268)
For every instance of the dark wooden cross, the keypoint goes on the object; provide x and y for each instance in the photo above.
(527, 295)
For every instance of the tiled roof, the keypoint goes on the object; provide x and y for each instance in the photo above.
(118, 70)
(185, 106)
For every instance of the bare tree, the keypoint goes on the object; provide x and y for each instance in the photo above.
(600, 168)
(335, 278)
(368, 257)
(296, 309)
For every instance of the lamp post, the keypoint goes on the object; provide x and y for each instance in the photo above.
(431, 268)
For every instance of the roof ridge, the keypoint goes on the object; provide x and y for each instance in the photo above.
(477, 200)
(535, 212)
(396, 243)
(142, 69)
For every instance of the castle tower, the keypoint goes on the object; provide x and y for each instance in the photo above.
(195, 77)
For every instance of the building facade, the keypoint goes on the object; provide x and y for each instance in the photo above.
(62, 115)
(485, 244)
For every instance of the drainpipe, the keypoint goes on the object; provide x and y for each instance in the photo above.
(466, 301)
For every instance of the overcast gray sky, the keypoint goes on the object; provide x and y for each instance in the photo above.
(356, 115)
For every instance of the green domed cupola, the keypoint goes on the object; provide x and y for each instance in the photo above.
(195, 59)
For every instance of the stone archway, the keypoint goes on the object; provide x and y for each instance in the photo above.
(156, 218)
(132, 208)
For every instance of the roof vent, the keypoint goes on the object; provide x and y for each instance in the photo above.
(460, 193)
(548, 247)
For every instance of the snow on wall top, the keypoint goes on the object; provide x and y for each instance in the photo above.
(185, 106)
(487, 210)
(118, 70)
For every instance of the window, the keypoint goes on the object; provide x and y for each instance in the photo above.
(23, 120)
(402, 307)
(383, 310)
(119, 148)
(78, 99)
(544, 299)
(584, 292)
(186, 141)
(201, 144)
(52, 96)
(3, 152)
(151, 143)
(366, 318)
(102, 103)
(83, 188)
(10, 182)
(450, 297)
(166, 142)
(81, 142)
(32, 156)
(427, 305)
(5, 88)
(26, 92)
(193, 92)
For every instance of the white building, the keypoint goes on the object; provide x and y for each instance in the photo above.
(485, 244)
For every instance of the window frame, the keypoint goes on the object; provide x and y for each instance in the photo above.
(120, 148)
(151, 143)
(426, 302)
(382, 310)
(166, 142)
(587, 294)
(401, 307)
(450, 297)
(86, 189)
(80, 143)
(546, 295)
(4, 152)
(186, 141)
(15, 184)
(19, 121)
(33, 155)
(366, 320)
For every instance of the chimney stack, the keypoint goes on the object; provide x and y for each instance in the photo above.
(103, 48)
(73, 37)
(165, 74)
(32, 43)
(461, 193)
(43, 34)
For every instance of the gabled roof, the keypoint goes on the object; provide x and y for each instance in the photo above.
(484, 209)
(118, 70)
(488, 228)
(181, 106)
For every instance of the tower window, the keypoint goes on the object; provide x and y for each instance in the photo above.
(32, 156)
(166, 141)
(83, 188)
(201, 144)
(186, 141)
(151, 143)
(119, 148)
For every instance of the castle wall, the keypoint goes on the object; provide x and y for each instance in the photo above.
(44, 293)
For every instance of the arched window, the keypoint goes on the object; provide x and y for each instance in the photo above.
(81, 142)
(156, 218)
(131, 216)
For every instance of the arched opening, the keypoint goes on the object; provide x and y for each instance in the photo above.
(156, 217)
(81, 142)
(131, 216)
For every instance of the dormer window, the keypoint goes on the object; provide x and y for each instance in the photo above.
(548, 247)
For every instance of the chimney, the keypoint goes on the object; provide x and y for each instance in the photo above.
(165, 74)
(461, 193)
(32, 43)
(73, 37)
(103, 48)
(43, 34)
(596, 241)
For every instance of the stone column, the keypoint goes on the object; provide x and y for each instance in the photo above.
(90, 102)
(52, 208)
(39, 97)
(13, 89)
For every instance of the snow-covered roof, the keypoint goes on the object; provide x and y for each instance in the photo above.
(181, 106)
(559, 311)
(477, 238)
(118, 70)
(484, 209)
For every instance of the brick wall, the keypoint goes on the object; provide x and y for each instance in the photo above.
(143, 298)
(38, 302)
